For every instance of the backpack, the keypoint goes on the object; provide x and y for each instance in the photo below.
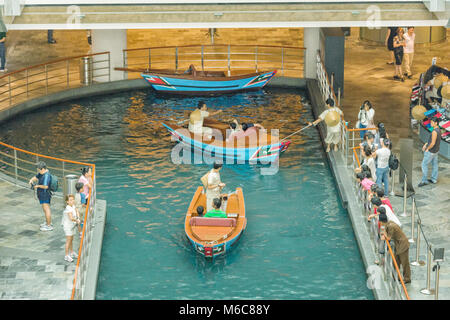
(53, 183)
(393, 162)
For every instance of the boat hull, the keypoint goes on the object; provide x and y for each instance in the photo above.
(264, 154)
(214, 249)
(202, 86)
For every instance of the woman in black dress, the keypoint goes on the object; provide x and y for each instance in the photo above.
(389, 42)
(399, 43)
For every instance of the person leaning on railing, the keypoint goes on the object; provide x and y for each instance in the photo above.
(393, 232)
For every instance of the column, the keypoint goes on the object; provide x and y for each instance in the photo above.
(114, 41)
(311, 41)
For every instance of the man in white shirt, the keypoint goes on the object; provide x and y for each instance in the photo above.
(408, 51)
(382, 171)
(196, 120)
(383, 208)
(333, 132)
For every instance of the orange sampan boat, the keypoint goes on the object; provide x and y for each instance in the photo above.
(212, 237)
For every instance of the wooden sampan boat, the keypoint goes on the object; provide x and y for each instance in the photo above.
(212, 237)
(194, 82)
(262, 148)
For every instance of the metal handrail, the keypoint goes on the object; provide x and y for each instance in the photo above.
(364, 198)
(83, 251)
(145, 60)
(45, 78)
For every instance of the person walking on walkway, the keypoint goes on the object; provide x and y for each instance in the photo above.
(41, 183)
(2, 52)
(393, 232)
(408, 54)
(431, 154)
(389, 43)
(399, 44)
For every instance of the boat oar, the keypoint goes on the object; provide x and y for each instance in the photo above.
(309, 125)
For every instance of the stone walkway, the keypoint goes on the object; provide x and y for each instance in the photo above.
(32, 262)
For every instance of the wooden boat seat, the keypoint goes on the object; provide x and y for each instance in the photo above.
(212, 222)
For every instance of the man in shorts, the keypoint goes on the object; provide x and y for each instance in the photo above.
(41, 183)
(333, 132)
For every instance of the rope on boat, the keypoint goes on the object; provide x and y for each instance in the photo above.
(309, 125)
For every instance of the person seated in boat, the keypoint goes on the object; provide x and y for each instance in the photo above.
(191, 70)
(216, 212)
(246, 129)
(200, 211)
(196, 120)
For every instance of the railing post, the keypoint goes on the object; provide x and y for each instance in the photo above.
(46, 79)
(26, 77)
(428, 290)
(63, 169)
(68, 72)
(149, 59)
(256, 59)
(203, 59)
(346, 146)
(176, 58)
(411, 240)
(405, 193)
(339, 97)
(392, 183)
(417, 262)
(9, 87)
(109, 67)
(436, 282)
(282, 61)
(229, 60)
(15, 164)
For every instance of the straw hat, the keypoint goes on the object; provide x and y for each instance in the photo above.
(418, 112)
(445, 92)
(332, 118)
(439, 80)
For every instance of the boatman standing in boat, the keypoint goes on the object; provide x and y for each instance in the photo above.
(196, 120)
(214, 186)
(332, 117)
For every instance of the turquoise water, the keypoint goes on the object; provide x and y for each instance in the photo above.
(299, 243)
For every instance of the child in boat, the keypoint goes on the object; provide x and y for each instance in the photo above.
(200, 211)
(216, 212)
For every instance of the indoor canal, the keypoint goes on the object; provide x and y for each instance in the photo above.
(298, 244)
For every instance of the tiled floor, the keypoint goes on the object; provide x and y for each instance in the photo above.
(32, 262)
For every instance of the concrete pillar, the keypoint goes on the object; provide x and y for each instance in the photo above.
(311, 41)
(114, 41)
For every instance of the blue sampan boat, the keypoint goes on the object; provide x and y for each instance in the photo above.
(260, 148)
(212, 237)
(205, 82)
